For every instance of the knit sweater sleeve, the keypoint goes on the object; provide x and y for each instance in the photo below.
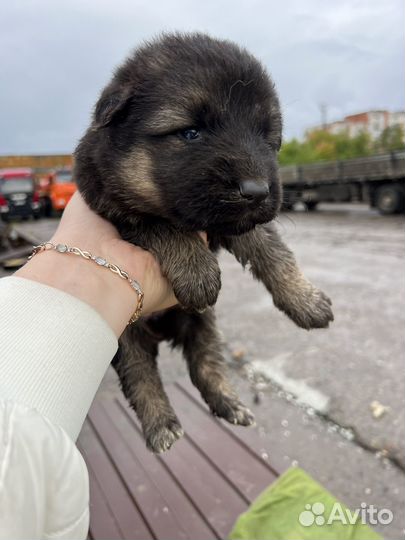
(54, 351)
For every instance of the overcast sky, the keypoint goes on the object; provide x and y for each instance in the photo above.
(56, 55)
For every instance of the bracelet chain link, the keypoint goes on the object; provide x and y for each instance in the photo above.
(63, 248)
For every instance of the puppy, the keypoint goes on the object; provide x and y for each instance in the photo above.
(184, 139)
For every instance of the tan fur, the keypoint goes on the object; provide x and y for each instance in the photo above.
(167, 120)
(137, 172)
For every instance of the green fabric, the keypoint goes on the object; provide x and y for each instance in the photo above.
(275, 514)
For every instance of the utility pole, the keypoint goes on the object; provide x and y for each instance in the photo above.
(324, 115)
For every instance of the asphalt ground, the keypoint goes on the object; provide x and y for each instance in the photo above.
(330, 401)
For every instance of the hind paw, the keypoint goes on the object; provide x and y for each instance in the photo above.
(162, 436)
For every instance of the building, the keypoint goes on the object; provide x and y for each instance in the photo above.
(371, 122)
(38, 163)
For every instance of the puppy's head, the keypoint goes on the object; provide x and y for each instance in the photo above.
(188, 129)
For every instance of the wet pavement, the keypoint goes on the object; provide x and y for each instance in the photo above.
(330, 401)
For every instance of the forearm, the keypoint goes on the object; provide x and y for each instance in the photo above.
(55, 350)
(269, 259)
(272, 263)
(111, 296)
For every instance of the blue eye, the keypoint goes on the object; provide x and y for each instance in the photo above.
(190, 134)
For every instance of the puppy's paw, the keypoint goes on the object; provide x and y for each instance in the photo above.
(231, 409)
(163, 435)
(198, 286)
(309, 308)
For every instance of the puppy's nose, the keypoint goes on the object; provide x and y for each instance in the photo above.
(254, 190)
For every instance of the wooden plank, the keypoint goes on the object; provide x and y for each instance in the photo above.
(35, 232)
(246, 473)
(211, 493)
(153, 506)
(249, 438)
(195, 491)
(15, 253)
(29, 236)
(120, 503)
(191, 523)
(102, 522)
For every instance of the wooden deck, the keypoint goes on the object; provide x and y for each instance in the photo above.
(195, 491)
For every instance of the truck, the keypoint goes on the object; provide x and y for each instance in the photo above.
(377, 180)
(19, 197)
(56, 190)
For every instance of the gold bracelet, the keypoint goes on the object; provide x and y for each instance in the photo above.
(63, 248)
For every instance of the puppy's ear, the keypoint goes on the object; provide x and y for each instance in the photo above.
(113, 100)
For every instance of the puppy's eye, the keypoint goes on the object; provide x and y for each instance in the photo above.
(190, 134)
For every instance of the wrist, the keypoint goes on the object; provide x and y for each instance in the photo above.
(111, 296)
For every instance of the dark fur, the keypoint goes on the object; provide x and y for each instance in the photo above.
(135, 168)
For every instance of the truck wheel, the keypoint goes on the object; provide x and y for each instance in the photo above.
(390, 200)
(311, 205)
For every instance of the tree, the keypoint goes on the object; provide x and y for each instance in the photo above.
(320, 145)
(392, 138)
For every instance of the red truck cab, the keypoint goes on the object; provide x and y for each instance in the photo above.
(18, 196)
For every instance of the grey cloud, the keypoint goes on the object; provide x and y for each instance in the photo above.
(56, 56)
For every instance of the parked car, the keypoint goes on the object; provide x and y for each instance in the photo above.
(56, 190)
(18, 196)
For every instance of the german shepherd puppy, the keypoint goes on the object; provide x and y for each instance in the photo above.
(184, 139)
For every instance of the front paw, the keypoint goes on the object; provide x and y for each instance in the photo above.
(198, 285)
(308, 307)
(231, 409)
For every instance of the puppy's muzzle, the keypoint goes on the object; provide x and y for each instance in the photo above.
(254, 190)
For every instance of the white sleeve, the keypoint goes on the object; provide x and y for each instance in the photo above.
(54, 351)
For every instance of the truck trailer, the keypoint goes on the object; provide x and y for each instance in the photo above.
(377, 180)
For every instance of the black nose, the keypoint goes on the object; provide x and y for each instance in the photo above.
(255, 190)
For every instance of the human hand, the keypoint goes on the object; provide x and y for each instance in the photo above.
(110, 295)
